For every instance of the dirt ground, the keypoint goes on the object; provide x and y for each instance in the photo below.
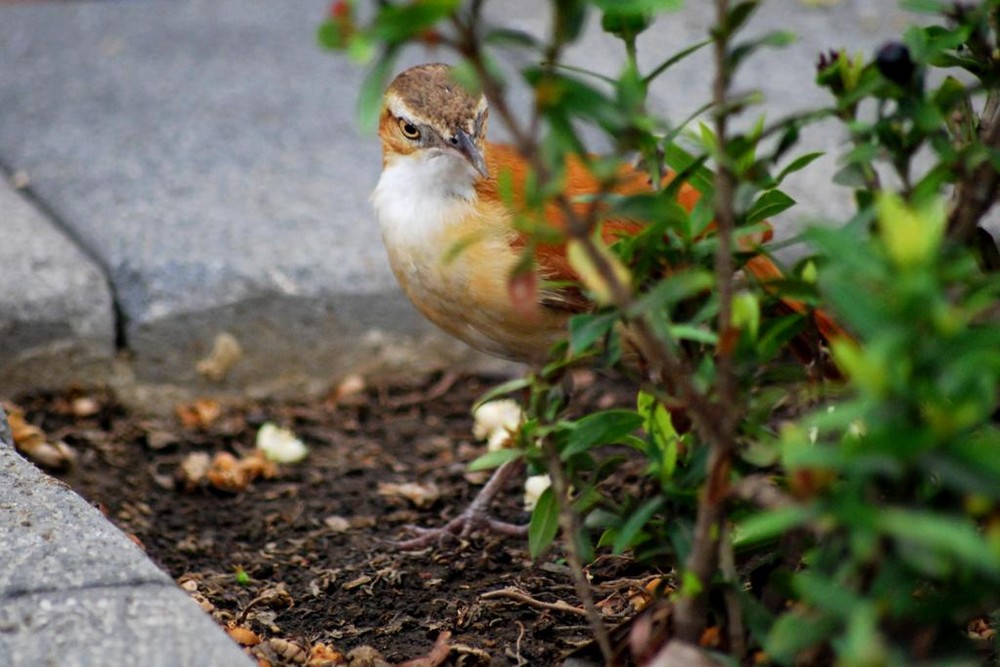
(299, 563)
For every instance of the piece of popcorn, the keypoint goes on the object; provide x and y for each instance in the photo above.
(280, 445)
(534, 487)
(495, 421)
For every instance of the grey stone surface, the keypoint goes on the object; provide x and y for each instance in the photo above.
(56, 319)
(74, 591)
(206, 153)
(784, 76)
(147, 625)
(53, 539)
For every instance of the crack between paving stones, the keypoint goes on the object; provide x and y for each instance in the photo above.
(12, 596)
(70, 234)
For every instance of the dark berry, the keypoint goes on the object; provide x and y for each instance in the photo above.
(894, 62)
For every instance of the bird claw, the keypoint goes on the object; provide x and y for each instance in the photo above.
(464, 525)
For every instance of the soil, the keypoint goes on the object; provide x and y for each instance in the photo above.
(303, 563)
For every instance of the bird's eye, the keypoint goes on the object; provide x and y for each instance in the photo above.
(408, 129)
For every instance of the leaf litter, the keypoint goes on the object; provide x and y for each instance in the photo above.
(295, 561)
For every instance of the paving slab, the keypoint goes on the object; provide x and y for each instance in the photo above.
(206, 154)
(75, 591)
(56, 313)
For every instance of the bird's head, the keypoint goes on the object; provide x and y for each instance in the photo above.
(426, 115)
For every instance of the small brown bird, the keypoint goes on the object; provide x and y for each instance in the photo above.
(438, 189)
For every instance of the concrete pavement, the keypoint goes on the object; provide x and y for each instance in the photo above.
(75, 592)
(173, 171)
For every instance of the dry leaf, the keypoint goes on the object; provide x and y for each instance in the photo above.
(84, 406)
(287, 650)
(349, 386)
(321, 655)
(193, 468)
(241, 635)
(366, 656)
(199, 414)
(337, 524)
(226, 352)
(159, 439)
(34, 444)
(279, 444)
(421, 495)
(437, 655)
(225, 473)
(257, 465)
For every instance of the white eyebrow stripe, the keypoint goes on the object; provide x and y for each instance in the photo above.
(397, 107)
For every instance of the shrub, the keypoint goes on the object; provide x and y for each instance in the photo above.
(807, 520)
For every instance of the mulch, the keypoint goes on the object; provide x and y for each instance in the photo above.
(297, 561)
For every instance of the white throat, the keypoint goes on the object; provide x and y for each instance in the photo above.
(418, 196)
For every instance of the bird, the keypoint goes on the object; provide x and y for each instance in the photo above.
(440, 189)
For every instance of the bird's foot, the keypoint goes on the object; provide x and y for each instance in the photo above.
(472, 520)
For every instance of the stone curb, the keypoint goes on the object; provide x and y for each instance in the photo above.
(76, 592)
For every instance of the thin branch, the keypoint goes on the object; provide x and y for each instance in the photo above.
(976, 190)
(521, 596)
(703, 561)
(734, 608)
(568, 523)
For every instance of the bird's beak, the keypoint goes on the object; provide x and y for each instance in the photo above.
(468, 148)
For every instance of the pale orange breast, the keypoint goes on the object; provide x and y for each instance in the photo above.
(467, 294)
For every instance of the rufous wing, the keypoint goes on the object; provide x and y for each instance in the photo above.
(552, 260)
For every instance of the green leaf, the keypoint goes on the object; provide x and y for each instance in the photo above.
(672, 290)
(370, 97)
(696, 334)
(395, 24)
(825, 593)
(739, 15)
(587, 329)
(495, 459)
(679, 160)
(676, 58)
(511, 37)
(795, 631)
(767, 526)
(601, 428)
(544, 523)
(769, 204)
(947, 534)
(333, 35)
(638, 6)
(659, 426)
(508, 387)
(798, 164)
(636, 522)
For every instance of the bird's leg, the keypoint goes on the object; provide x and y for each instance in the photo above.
(475, 516)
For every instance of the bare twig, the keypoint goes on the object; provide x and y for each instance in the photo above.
(734, 609)
(568, 523)
(977, 189)
(703, 561)
(716, 426)
(521, 596)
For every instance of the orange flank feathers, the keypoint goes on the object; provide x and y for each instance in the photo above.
(551, 258)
